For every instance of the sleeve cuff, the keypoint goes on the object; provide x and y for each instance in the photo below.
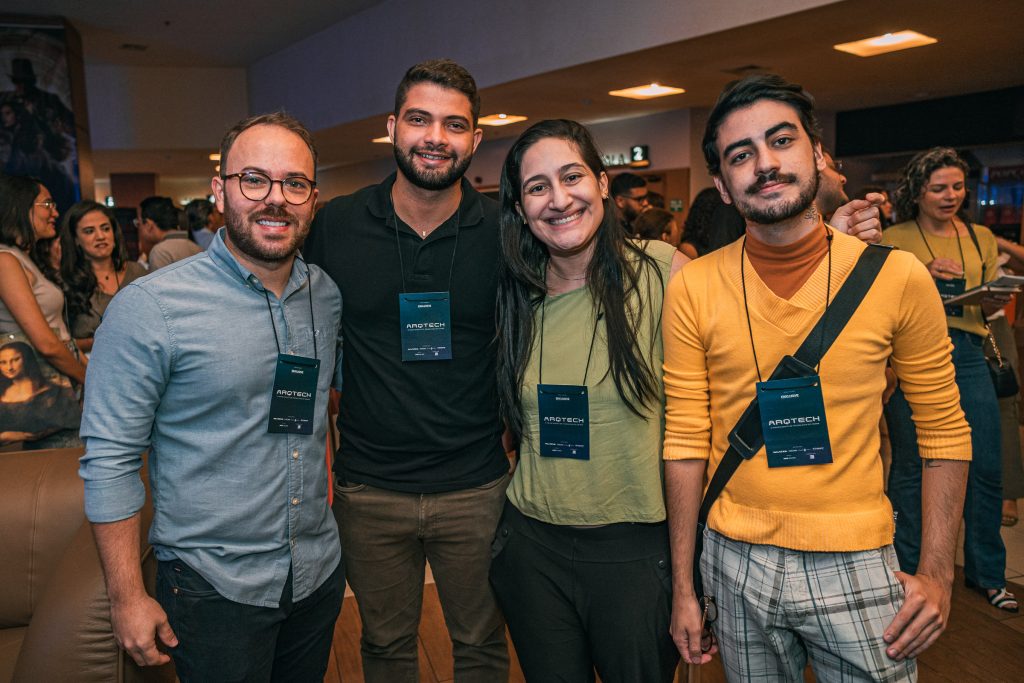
(114, 500)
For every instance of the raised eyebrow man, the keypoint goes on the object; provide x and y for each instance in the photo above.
(798, 549)
(249, 579)
(421, 469)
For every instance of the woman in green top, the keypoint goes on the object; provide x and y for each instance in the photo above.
(959, 256)
(581, 566)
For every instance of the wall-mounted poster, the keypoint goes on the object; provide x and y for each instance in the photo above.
(37, 127)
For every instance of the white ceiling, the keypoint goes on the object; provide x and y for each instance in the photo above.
(980, 49)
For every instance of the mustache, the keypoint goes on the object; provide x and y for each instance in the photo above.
(429, 149)
(772, 176)
(274, 213)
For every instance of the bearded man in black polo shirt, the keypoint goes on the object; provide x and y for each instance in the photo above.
(421, 472)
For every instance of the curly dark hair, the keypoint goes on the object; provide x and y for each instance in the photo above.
(76, 271)
(613, 276)
(915, 176)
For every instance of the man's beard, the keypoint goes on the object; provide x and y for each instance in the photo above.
(778, 211)
(830, 198)
(241, 230)
(435, 180)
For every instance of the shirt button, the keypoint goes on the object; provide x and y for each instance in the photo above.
(293, 542)
(295, 501)
(295, 454)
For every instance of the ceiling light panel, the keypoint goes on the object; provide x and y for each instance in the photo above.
(888, 42)
(647, 92)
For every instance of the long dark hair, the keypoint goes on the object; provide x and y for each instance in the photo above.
(75, 269)
(17, 197)
(29, 364)
(613, 277)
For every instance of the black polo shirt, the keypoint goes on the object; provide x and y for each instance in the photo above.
(421, 426)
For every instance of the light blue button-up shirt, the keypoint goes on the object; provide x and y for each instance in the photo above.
(184, 364)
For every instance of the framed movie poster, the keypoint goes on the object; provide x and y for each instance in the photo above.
(37, 124)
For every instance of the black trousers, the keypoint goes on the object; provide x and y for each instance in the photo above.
(220, 640)
(580, 599)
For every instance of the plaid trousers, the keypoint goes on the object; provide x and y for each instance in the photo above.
(777, 608)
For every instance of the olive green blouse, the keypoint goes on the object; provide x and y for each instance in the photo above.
(622, 481)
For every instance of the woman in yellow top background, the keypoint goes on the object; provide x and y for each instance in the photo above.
(931, 194)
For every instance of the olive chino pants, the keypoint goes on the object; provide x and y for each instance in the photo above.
(387, 536)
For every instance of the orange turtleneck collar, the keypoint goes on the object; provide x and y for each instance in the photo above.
(785, 269)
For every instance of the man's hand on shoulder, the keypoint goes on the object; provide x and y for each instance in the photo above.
(859, 218)
(922, 618)
(137, 624)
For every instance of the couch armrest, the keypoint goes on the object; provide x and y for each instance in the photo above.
(70, 635)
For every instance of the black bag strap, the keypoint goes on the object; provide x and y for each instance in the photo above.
(981, 257)
(747, 438)
(977, 246)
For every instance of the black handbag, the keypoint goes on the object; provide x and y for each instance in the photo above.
(1004, 377)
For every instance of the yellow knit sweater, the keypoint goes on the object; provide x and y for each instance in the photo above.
(710, 378)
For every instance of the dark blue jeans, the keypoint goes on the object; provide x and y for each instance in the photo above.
(984, 553)
(221, 640)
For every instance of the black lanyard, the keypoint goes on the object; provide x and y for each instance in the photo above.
(398, 245)
(959, 244)
(746, 308)
(312, 320)
(540, 361)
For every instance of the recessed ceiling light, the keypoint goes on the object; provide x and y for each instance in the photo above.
(216, 169)
(646, 92)
(500, 119)
(215, 156)
(386, 140)
(889, 42)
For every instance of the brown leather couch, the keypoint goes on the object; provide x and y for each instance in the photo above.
(54, 612)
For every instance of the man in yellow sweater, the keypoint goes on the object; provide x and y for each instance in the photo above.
(798, 552)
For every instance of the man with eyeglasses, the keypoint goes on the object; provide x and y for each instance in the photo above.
(630, 194)
(220, 365)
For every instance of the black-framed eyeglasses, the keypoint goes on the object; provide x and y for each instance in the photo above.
(256, 186)
(48, 203)
(707, 618)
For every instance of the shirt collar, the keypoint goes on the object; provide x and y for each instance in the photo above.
(222, 256)
(471, 210)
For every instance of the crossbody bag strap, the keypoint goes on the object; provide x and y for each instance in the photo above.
(977, 246)
(747, 438)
